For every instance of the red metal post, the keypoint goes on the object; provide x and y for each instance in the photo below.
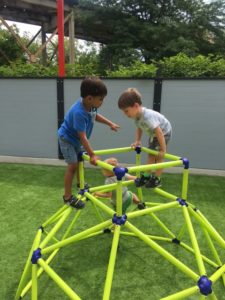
(60, 25)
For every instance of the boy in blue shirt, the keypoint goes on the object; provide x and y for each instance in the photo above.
(76, 130)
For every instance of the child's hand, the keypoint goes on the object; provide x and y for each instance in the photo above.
(161, 154)
(93, 159)
(114, 126)
(135, 144)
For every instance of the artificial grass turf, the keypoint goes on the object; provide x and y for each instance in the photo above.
(30, 194)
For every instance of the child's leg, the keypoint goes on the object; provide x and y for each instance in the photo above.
(70, 155)
(68, 180)
(135, 199)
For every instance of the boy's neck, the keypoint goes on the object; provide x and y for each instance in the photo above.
(86, 104)
(139, 113)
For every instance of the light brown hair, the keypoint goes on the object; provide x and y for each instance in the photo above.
(128, 98)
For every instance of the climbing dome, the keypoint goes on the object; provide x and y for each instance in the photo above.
(47, 244)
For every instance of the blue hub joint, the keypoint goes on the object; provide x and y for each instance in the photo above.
(82, 191)
(36, 255)
(138, 149)
(80, 156)
(119, 220)
(185, 162)
(41, 227)
(176, 241)
(205, 285)
(182, 202)
(120, 172)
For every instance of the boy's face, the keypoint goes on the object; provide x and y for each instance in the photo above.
(132, 111)
(96, 101)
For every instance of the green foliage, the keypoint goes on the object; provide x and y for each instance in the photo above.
(157, 29)
(137, 69)
(9, 49)
(180, 65)
(200, 66)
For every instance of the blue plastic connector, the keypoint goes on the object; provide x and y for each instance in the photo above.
(36, 255)
(185, 162)
(79, 156)
(176, 241)
(120, 172)
(182, 202)
(119, 220)
(82, 191)
(41, 227)
(205, 285)
(138, 149)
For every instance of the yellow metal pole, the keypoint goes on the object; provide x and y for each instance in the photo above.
(183, 294)
(68, 291)
(194, 241)
(162, 251)
(112, 261)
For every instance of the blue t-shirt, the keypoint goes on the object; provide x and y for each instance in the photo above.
(77, 119)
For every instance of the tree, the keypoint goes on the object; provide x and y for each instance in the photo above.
(9, 49)
(157, 29)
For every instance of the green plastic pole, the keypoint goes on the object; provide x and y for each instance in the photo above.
(165, 194)
(27, 268)
(163, 165)
(183, 294)
(111, 265)
(119, 200)
(68, 291)
(185, 184)
(104, 207)
(40, 271)
(56, 227)
(194, 241)
(34, 294)
(138, 163)
(207, 260)
(217, 274)
(81, 174)
(113, 151)
(211, 246)
(166, 155)
(200, 218)
(162, 251)
(162, 225)
(77, 237)
(110, 187)
(55, 216)
(146, 211)
(212, 296)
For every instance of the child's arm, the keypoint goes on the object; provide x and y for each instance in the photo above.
(87, 147)
(161, 139)
(101, 119)
(138, 136)
(103, 195)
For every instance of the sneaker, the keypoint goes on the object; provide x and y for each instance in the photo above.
(153, 182)
(74, 202)
(141, 205)
(142, 180)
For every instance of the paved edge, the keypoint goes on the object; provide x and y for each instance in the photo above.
(59, 162)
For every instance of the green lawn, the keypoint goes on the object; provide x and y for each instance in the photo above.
(30, 194)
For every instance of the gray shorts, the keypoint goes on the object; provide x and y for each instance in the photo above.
(69, 151)
(154, 144)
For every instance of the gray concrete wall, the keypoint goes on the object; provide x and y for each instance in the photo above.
(28, 117)
(196, 109)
